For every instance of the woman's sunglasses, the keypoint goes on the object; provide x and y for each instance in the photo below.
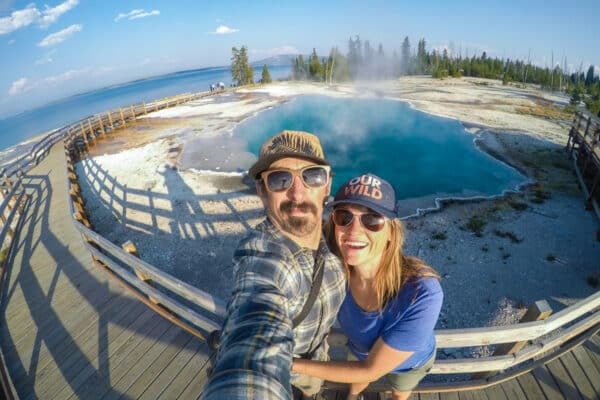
(371, 221)
(280, 179)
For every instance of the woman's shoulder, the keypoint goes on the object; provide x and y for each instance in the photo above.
(430, 283)
(423, 288)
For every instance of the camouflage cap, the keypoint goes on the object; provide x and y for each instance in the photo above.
(295, 144)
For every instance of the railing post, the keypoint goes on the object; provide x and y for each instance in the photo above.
(7, 181)
(99, 116)
(110, 121)
(92, 134)
(122, 117)
(83, 135)
(538, 311)
(130, 248)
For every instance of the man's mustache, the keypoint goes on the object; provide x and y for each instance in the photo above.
(288, 206)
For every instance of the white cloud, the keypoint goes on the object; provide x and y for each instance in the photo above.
(60, 36)
(19, 19)
(266, 53)
(224, 30)
(18, 86)
(30, 15)
(51, 15)
(136, 14)
(12, 41)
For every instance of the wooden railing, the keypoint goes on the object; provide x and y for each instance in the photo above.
(200, 313)
(12, 210)
(584, 148)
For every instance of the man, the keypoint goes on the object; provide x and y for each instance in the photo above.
(274, 271)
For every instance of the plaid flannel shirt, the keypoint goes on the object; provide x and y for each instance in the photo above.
(273, 277)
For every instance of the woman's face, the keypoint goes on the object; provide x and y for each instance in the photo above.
(360, 246)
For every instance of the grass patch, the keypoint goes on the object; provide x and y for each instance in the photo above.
(439, 236)
(475, 225)
(546, 110)
(508, 235)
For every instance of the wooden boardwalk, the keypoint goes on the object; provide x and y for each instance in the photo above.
(68, 331)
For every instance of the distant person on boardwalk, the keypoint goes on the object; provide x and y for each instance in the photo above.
(392, 301)
(288, 286)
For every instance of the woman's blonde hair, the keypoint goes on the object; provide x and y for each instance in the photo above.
(395, 269)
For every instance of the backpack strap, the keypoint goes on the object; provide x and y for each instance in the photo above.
(213, 338)
(314, 292)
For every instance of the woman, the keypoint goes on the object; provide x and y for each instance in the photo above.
(392, 301)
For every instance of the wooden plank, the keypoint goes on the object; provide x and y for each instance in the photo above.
(565, 383)
(155, 369)
(69, 307)
(449, 396)
(547, 383)
(195, 387)
(88, 380)
(512, 389)
(152, 363)
(139, 359)
(592, 348)
(588, 367)
(429, 396)
(169, 373)
(58, 339)
(495, 392)
(472, 395)
(578, 376)
(125, 359)
(190, 380)
(76, 358)
(530, 387)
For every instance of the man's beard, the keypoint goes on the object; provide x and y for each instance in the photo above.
(299, 226)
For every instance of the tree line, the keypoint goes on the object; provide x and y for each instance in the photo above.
(363, 61)
(242, 72)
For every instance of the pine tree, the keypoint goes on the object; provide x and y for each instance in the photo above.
(241, 71)
(314, 66)
(266, 76)
(405, 54)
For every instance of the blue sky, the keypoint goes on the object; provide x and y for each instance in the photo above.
(62, 47)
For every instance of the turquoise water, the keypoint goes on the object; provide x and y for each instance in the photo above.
(419, 154)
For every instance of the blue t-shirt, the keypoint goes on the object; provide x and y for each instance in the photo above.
(406, 323)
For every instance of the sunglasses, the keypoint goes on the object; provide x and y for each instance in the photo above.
(280, 179)
(371, 221)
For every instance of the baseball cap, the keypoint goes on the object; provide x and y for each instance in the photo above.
(288, 144)
(370, 191)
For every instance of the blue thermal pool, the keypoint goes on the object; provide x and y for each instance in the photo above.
(423, 156)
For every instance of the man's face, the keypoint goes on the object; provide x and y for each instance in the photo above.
(298, 210)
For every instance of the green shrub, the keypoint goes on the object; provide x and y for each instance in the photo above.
(475, 225)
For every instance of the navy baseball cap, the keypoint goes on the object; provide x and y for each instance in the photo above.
(370, 191)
